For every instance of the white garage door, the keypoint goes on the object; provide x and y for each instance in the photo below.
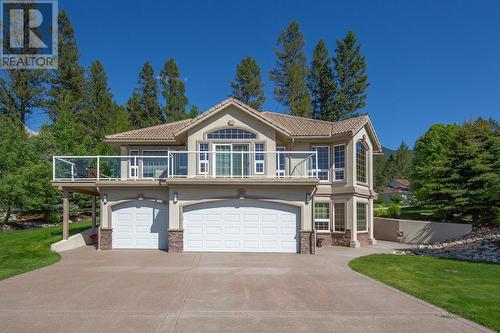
(241, 226)
(140, 225)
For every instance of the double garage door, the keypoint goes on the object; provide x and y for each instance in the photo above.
(222, 226)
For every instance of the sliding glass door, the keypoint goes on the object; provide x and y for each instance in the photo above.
(232, 160)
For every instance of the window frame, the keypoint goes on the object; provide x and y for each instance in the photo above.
(365, 204)
(280, 150)
(334, 218)
(328, 220)
(365, 147)
(260, 161)
(252, 135)
(204, 161)
(135, 167)
(334, 166)
(315, 147)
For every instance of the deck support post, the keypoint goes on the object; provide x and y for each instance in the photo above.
(65, 217)
(93, 212)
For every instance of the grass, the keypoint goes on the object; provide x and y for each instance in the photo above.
(468, 289)
(25, 250)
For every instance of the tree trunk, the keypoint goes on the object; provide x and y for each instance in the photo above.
(7, 213)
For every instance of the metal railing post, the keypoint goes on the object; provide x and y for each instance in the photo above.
(98, 164)
(317, 166)
(72, 172)
(53, 168)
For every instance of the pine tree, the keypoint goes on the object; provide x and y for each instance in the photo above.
(21, 92)
(248, 84)
(173, 90)
(290, 72)
(350, 77)
(68, 78)
(321, 83)
(143, 108)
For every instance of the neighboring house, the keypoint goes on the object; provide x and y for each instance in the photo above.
(395, 188)
(233, 179)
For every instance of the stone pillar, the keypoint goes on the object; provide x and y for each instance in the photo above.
(307, 242)
(65, 217)
(175, 240)
(94, 217)
(105, 238)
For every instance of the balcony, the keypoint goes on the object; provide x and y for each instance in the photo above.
(224, 163)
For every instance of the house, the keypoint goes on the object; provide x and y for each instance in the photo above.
(396, 187)
(233, 179)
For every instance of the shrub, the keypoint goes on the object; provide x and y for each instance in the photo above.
(381, 212)
(394, 211)
(53, 218)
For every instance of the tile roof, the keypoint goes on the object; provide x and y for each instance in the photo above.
(293, 126)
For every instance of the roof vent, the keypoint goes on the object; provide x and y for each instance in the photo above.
(230, 122)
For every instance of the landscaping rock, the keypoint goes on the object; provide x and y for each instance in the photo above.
(482, 244)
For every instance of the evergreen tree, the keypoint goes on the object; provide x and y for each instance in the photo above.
(22, 91)
(173, 90)
(403, 162)
(291, 71)
(143, 108)
(321, 83)
(248, 84)
(350, 77)
(68, 78)
(193, 112)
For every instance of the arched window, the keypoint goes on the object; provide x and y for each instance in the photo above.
(231, 133)
(361, 162)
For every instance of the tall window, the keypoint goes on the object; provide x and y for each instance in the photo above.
(322, 216)
(203, 159)
(339, 162)
(323, 163)
(231, 133)
(361, 216)
(360, 162)
(339, 218)
(280, 162)
(259, 158)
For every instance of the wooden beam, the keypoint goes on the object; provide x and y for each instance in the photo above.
(65, 216)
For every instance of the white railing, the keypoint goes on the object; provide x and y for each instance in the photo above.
(221, 163)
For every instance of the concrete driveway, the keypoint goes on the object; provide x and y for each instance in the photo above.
(126, 291)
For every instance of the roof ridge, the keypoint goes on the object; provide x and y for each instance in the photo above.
(148, 127)
(311, 119)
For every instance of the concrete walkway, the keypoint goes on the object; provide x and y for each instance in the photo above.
(153, 291)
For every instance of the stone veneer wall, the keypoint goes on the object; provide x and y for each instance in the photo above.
(364, 239)
(105, 239)
(333, 238)
(175, 240)
(307, 242)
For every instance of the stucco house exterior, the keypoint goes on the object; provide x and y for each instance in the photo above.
(233, 179)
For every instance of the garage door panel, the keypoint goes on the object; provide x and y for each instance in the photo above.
(141, 225)
(246, 227)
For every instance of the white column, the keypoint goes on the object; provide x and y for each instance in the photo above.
(370, 221)
(65, 221)
(354, 224)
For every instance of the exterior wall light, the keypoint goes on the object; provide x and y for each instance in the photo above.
(105, 199)
(176, 197)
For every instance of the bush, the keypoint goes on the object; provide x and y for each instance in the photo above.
(381, 212)
(394, 211)
(53, 218)
(397, 198)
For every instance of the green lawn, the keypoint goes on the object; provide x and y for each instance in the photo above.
(25, 250)
(468, 289)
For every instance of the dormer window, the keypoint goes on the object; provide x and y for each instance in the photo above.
(231, 133)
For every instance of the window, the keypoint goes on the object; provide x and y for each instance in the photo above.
(231, 133)
(280, 162)
(203, 159)
(259, 158)
(323, 159)
(134, 163)
(339, 219)
(339, 162)
(360, 162)
(361, 216)
(155, 165)
(322, 216)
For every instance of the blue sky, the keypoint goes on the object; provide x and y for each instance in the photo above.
(428, 61)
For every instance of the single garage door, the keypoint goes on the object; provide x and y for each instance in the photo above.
(241, 226)
(140, 225)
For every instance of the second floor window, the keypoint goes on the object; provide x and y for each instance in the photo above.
(323, 163)
(259, 158)
(203, 160)
(230, 133)
(339, 162)
(360, 162)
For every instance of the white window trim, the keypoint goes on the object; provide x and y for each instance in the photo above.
(133, 152)
(335, 170)
(260, 161)
(366, 203)
(323, 220)
(200, 161)
(328, 159)
(280, 173)
(344, 202)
